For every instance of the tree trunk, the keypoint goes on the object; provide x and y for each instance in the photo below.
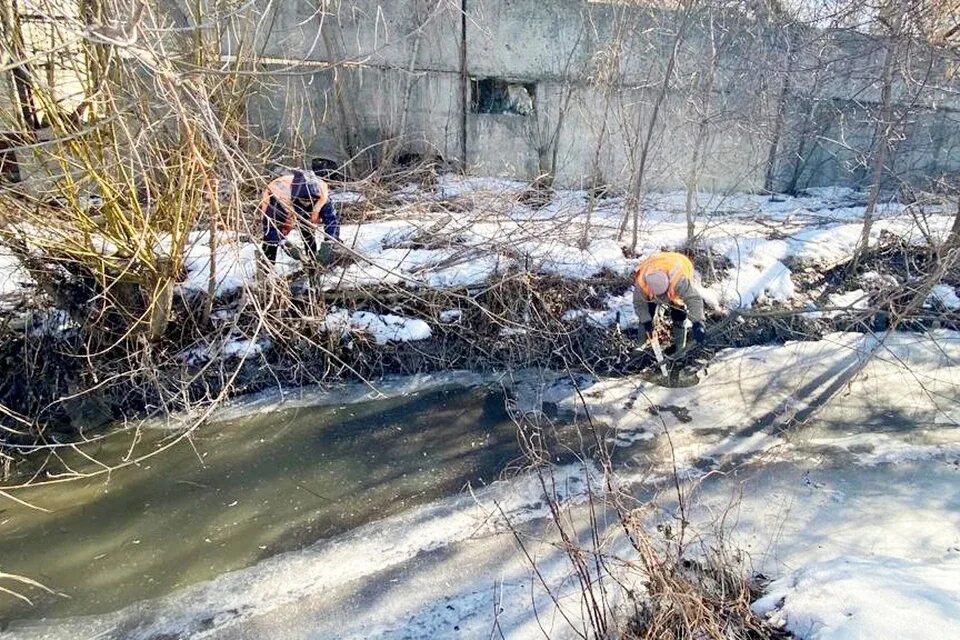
(637, 193)
(953, 240)
(770, 177)
(882, 139)
(700, 140)
(348, 140)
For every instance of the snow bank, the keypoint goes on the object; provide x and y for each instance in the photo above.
(757, 233)
(433, 268)
(856, 299)
(826, 245)
(374, 237)
(853, 598)
(12, 274)
(736, 408)
(757, 272)
(842, 303)
(567, 261)
(945, 296)
(236, 263)
(467, 272)
(382, 328)
(618, 309)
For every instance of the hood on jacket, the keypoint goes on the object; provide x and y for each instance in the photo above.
(304, 186)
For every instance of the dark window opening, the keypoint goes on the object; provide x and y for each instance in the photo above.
(493, 95)
(9, 167)
(328, 169)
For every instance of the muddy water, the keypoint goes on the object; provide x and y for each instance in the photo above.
(244, 490)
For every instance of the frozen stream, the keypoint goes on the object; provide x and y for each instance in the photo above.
(853, 504)
(243, 490)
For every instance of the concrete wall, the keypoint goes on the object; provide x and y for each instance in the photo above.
(412, 47)
(360, 79)
(551, 44)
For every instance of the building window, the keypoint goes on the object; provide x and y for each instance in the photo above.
(494, 95)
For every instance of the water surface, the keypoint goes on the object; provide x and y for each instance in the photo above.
(243, 490)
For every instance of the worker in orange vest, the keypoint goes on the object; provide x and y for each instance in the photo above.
(667, 278)
(298, 200)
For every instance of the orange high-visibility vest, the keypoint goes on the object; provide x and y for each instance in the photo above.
(675, 265)
(280, 189)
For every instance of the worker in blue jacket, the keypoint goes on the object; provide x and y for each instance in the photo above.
(299, 200)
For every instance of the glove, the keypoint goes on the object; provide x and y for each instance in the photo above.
(698, 333)
(293, 251)
(648, 329)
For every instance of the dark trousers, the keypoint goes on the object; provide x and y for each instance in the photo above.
(275, 217)
(677, 315)
(678, 332)
(271, 244)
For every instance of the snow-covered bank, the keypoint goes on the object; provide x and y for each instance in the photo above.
(464, 234)
(421, 245)
(831, 465)
(868, 597)
(750, 399)
(13, 277)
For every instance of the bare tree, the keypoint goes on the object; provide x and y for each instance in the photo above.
(632, 211)
(892, 18)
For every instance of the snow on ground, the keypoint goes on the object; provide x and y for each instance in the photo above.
(12, 274)
(619, 309)
(856, 299)
(945, 296)
(850, 598)
(235, 263)
(841, 303)
(382, 328)
(489, 231)
(496, 231)
(757, 273)
(557, 258)
(748, 395)
(852, 507)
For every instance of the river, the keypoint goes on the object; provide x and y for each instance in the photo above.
(241, 490)
(811, 456)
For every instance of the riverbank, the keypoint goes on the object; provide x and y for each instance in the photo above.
(849, 508)
(456, 273)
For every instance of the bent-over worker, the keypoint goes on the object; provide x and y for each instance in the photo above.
(298, 200)
(666, 278)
